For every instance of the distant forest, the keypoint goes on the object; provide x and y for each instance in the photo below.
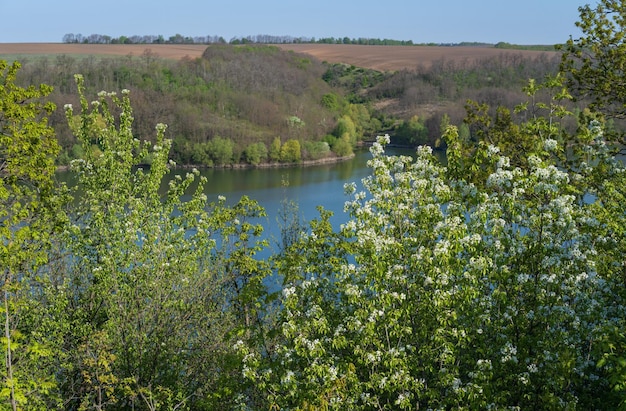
(274, 39)
(253, 104)
(212, 39)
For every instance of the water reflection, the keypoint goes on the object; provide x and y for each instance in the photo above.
(320, 185)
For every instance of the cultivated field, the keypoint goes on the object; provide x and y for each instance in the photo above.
(391, 58)
(383, 58)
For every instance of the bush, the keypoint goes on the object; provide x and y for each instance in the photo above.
(342, 147)
(220, 150)
(316, 149)
(290, 152)
(274, 151)
(255, 153)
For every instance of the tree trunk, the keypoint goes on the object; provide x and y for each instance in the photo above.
(8, 357)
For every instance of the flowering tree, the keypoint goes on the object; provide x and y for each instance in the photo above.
(159, 282)
(480, 284)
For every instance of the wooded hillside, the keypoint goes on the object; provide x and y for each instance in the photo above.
(233, 104)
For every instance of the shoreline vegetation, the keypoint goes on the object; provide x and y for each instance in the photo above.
(238, 166)
(301, 163)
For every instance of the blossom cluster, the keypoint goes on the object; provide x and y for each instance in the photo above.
(452, 294)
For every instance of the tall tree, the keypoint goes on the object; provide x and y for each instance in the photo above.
(487, 283)
(27, 217)
(162, 287)
(594, 63)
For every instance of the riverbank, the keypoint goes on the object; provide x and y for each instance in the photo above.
(303, 163)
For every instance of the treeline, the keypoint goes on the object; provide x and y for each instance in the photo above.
(141, 39)
(213, 39)
(250, 39)
(537, 47)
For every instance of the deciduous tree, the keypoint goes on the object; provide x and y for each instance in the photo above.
(29, 213)
(594, 63)
(447, 289)
(161, 287)
(290, 152)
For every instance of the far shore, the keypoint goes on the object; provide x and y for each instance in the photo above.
(302, 163)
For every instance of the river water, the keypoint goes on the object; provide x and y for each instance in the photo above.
(307, 187)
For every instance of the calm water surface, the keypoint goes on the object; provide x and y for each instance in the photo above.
(309, 187)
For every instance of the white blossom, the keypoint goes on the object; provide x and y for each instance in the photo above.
(492, 150)
(550, 144)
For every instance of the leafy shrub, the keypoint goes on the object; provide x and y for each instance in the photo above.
(255, 153)
(290, 151)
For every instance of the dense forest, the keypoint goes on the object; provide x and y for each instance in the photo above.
(242, 104)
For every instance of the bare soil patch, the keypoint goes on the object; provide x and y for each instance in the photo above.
(383, 58)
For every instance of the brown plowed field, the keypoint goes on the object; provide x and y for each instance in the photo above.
(393, 58)
(381, 58)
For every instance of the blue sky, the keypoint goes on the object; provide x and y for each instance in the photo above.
(423, 21)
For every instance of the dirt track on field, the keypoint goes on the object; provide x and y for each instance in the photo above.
(383, 58)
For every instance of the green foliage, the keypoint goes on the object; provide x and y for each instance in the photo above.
(295, 122)
(454, 294)
(355, 123)
(161, 288)
(594, 62)
(275, 149)
(29, 214)
(342, 147)
(499, 130)
(411, 132)
(351, 78)
(246, 93)
(290, 152)
(243, 94)
(346, 129)
(316, 150)
(330, 101)
(256, 153)
(220, 150)
(363, 124)
(493, 282)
